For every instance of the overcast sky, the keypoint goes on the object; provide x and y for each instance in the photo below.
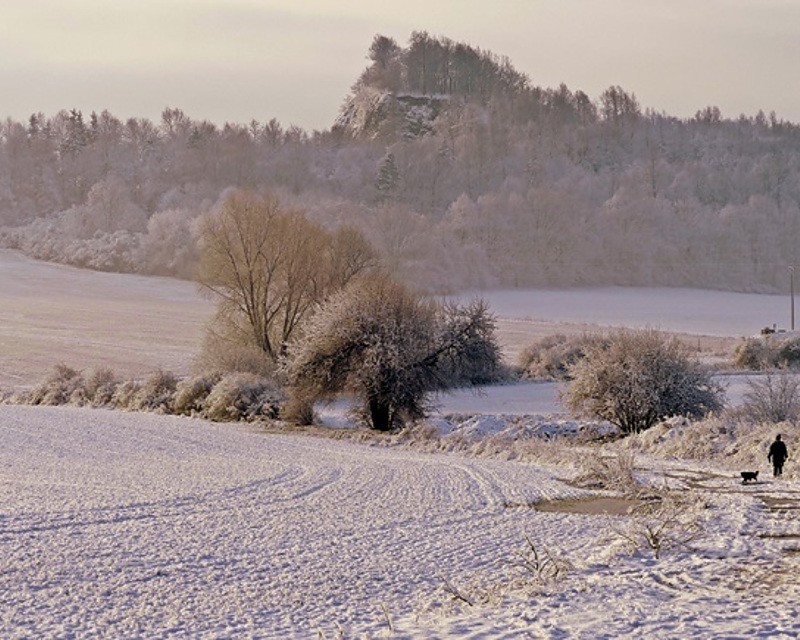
(295, 60)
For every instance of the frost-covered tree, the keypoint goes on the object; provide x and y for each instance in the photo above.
(390, 348)
(170, 244)
(387, 181)
(773, 398)
(633, 379)
(108, 209)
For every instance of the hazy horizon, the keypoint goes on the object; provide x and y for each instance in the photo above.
(249, 59)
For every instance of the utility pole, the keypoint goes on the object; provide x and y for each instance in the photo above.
(791, 291)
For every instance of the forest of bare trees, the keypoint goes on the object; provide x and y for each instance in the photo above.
(498, 183)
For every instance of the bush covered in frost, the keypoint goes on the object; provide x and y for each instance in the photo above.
(191, 394)
(155, 393)
(767, 352)
(552, 356)
(62, 386)
(242, 396)
(636, 378)
(217, 397)
(125, 393)
(99, 386)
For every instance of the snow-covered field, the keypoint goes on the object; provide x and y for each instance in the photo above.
(52, 313)
(689, 311)
(125, 525)
(133, 324)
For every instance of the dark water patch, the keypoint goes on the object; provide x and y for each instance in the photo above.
(590, 506)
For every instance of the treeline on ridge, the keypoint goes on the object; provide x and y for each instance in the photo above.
(500, 183)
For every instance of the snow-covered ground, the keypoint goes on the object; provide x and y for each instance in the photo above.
(681, 310)
(127, 525)
(138, 526)
(52, 314)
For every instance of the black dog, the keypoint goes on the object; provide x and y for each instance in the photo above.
(749, 476)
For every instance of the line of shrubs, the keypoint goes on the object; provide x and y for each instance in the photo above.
(767, 352)
(551, 357)
(218, 397)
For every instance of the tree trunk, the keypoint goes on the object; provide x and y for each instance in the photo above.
(379, 414)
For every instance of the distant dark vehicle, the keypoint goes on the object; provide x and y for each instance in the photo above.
(749, 476)
(767, 331)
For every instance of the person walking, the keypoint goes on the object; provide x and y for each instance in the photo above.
(777, 455)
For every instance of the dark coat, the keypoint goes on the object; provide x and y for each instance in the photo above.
(778, 452)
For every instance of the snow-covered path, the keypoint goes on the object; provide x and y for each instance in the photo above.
(135, 525)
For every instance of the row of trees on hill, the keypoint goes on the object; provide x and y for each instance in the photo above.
(513, 185)
(432, 65)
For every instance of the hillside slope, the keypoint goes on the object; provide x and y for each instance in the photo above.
(54, 314)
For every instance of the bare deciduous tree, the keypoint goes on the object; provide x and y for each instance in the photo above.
(270, 266)
(773, 398)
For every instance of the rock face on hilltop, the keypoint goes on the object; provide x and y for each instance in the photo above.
(374, 113)
(405, 90)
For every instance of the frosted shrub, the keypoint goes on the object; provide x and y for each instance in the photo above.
(125, 393)
(58, 388)
(608, 472)
(636, 378)
(662, 525)
(772, 398)
(789, 353)
(768, 352)
(242, 396)
(552, 356)
(100, 386)
(298, 409)
(191, 394)
(156, 393)
(540, 564)
(755, 354)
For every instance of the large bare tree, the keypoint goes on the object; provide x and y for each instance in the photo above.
(269, 266)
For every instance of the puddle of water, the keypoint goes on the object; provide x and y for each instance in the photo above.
(590, 506)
